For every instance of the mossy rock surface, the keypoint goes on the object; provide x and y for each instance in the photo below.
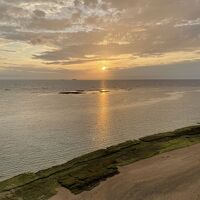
(85, 172)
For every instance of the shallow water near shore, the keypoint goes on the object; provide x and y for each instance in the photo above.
(41, 128)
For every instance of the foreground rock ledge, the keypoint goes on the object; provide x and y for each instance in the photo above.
(87, 171)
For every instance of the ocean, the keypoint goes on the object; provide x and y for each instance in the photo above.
(41, 128)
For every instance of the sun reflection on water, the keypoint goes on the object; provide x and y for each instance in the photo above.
(103, 115)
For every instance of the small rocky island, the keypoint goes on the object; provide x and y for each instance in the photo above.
(86, 172)
(83, 91)
(73, 92)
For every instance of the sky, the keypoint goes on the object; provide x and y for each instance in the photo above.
(99, 39)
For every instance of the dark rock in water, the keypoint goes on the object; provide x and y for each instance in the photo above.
(7, 89)
(73, 92)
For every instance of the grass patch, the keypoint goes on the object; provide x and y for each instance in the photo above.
(85, 172)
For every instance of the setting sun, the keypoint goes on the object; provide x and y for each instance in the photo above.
(104, 68)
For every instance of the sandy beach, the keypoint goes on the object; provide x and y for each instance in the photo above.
(171, 176)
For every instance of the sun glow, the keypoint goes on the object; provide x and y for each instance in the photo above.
(104, 68)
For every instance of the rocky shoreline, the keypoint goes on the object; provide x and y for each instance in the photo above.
(86, 172)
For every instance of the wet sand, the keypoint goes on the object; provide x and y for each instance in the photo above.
(171, 176)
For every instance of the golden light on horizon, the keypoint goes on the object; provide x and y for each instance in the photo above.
(104, 68)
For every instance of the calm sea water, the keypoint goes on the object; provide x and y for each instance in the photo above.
(41, 128)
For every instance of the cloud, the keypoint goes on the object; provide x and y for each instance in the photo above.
(39, 13)
(81, 61)
(31, 72)
(6, 50)
(194, 22)
(107, 29)
(182, 70)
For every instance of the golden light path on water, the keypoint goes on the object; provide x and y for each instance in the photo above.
(103, 114)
